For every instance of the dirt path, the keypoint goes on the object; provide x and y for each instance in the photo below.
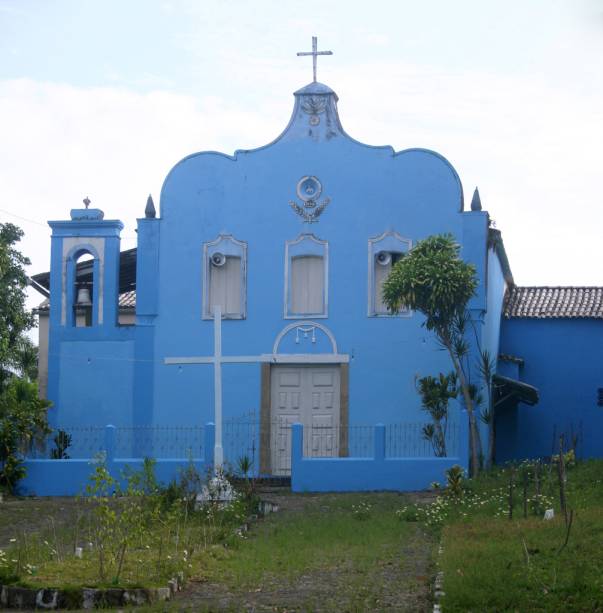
(397, 582)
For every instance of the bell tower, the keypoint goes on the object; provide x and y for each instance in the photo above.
(84, 270)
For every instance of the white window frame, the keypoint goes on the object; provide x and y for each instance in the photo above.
(394, 243)
(306, 245)
(229, 246)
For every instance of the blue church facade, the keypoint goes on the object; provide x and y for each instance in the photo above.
(292, 242)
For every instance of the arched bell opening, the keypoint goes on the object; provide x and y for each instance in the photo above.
(83, 290)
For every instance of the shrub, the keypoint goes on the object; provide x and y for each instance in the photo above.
(22, 425)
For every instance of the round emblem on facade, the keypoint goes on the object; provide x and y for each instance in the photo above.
(314, 120)
(309, 189)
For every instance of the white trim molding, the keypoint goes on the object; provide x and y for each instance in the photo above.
(392, 242)
(306, 327)
(272, 358)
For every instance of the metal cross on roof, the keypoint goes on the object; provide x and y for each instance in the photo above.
(314, 53)
(86, 201)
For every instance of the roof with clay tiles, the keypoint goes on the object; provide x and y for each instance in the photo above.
(554, 302)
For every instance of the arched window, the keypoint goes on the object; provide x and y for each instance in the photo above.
(306, 277)
(224, 277)
(383, 252)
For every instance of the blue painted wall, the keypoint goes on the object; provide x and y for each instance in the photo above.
(563, 358)
(372, 189)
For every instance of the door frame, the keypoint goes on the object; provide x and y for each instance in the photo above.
(266, 416)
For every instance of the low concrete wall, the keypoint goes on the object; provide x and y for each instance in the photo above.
(70, 477)
(370, 474)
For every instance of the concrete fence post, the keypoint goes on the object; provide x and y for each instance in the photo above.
(297, 443)
(297, 453)
(110, 442)
(208, 444)
(379, 443)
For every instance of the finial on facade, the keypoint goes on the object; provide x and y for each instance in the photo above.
(149, 210)
(476, 203)
(314, 53)
(86, 201)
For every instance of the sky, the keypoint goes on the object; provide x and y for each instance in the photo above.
(100, 98)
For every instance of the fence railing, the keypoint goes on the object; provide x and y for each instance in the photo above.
(406, 440)
(84, 442)
(160, 442)
(269, 449)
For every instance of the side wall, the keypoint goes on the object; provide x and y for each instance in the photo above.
(564, 360)
(95, 385)
(126, 318)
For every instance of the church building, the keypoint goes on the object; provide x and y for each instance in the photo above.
(289, 244)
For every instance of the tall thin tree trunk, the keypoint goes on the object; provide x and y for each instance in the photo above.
(491, 439)
(469, 405)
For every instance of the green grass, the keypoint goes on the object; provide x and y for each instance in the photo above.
(324, 536)
(41, 553)
(491, 563)
(328, 552)
(336, 552)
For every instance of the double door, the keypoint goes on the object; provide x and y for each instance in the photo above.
(310, 395)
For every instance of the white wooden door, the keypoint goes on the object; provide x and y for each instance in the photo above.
(308, 395)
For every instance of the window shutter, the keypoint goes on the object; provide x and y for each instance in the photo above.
(307, 285)
(225, 286)
(381, 274)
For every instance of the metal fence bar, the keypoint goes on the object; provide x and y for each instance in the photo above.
(242, 437)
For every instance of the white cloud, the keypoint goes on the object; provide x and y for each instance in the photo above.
(532, 146)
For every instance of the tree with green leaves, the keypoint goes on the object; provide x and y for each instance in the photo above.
(434, 280)
(22, 425)
(15, 319)
(22, 412)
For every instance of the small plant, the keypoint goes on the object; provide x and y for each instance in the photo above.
(408, 514)
(362, 510)
(569, 458)
(455, 477)
(190, 483)
(245, 467)
(436, 393)
(62, 440)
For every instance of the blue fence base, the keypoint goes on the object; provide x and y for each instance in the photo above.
(366, 474)
(70, 477)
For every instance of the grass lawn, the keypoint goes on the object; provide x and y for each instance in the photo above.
(333, 552)
(491, 563)
(329, 552)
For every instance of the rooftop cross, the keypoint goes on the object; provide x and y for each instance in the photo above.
(86, 201)
(314, 53)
